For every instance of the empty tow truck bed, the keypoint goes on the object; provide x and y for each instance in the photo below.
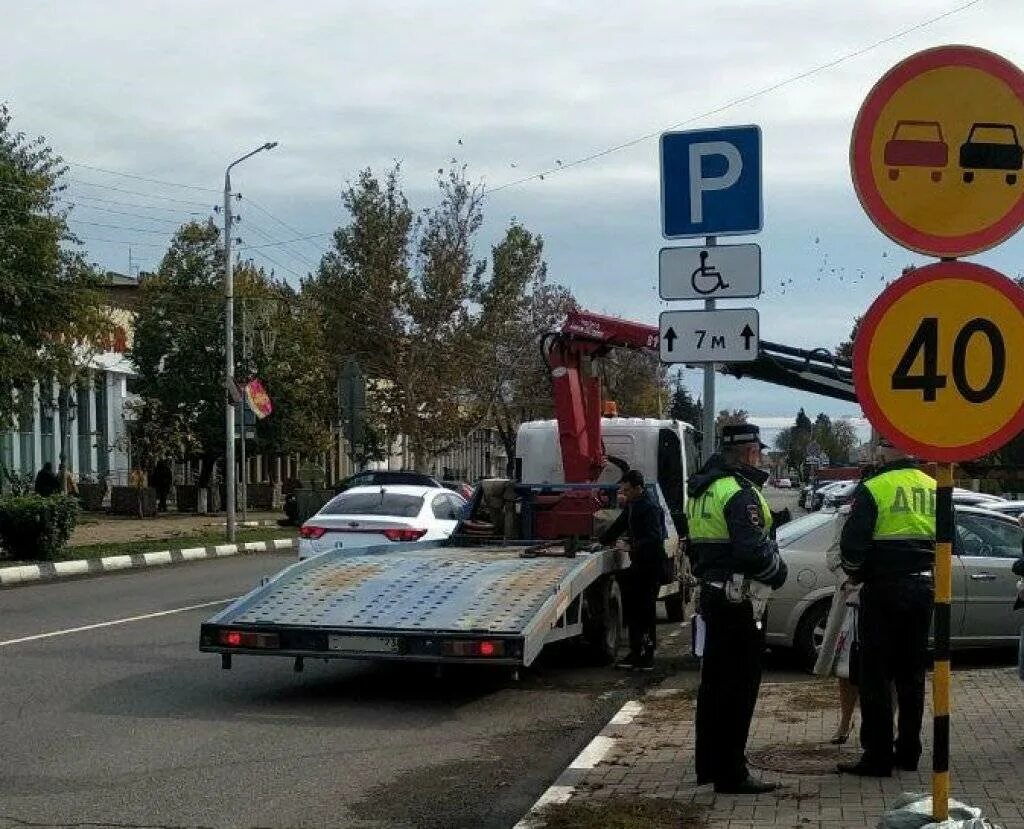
(426, 603)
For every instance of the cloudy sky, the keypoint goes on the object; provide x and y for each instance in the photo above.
(174, 91)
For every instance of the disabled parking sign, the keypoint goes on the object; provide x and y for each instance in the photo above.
(936, 152)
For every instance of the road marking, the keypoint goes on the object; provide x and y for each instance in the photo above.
(554, 794)
(111, 623)
(594, 753)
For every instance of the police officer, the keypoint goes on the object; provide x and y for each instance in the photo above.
(645, 522)
(888, 544)
(732, 547)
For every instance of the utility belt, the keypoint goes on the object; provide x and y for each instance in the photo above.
(738, 588)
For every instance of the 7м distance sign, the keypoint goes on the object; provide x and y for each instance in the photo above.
(725, 335)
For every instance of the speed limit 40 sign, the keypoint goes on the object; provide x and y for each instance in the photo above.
(939, 361)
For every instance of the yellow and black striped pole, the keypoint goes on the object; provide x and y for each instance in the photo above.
(944, 528)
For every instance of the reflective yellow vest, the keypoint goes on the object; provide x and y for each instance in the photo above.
(706, 513)
(905, 499)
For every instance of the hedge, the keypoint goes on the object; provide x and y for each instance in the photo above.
(35, 528)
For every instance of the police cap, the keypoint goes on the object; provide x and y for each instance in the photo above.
(741, 434)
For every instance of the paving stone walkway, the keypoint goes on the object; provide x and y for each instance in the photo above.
(652, 756)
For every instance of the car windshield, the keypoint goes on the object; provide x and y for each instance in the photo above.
(374, 503)
(801, 527)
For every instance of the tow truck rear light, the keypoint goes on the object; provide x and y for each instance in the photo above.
(405, 534)
(249, 639)
(474, 647)
(311, 531)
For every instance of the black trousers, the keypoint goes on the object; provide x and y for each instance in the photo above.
(730, 678)
(640, 610)
(895, 616)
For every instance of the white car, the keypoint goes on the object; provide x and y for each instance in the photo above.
(367, 515)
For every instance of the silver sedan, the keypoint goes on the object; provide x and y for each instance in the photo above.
(984, 588)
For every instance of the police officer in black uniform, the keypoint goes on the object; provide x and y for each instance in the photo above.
(732, 544)
(888, 544)
(645, 522)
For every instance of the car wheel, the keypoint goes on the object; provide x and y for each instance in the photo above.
(810, 633)
(602, 620)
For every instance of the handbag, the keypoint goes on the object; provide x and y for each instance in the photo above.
(847, 645)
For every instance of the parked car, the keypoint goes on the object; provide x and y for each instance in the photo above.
(970, 497)
(367, 515)
(784, 483)
(817, 498)
(1012, 508)
(985, 547)
(463, 488)
(387, 477)
(839, 495)
(805, 494)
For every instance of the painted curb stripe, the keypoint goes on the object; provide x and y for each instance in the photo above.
(50, 571)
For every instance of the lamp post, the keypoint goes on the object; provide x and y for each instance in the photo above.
(229, 348)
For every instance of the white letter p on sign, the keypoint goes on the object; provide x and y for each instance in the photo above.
(699, 184)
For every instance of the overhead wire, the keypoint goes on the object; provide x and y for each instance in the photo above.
(562, 167)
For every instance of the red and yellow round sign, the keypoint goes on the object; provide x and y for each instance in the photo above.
(937, 155)
(939, 362)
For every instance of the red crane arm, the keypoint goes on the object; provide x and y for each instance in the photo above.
(577, 390)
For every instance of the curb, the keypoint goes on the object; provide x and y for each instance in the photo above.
(593, 753)
(52, 571)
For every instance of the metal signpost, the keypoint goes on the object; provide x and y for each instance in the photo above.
(939, 358)
(710, 187)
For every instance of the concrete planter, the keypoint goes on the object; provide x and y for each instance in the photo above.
(265, 496)
(126, 500)
(187, 497)
(91, 496)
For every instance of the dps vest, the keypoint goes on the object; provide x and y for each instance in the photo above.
(706, 513)
(905, 499)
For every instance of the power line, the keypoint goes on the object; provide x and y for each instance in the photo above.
(560, 168)
(274, 262)
(295, 254)
(158, 196)
(143, 178)
(281, 222)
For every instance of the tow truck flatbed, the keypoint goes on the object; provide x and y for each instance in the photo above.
(446, 602)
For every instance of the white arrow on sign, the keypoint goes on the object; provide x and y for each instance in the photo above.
(719, 272)
(725, 335)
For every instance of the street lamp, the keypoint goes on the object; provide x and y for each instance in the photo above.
(229, 347)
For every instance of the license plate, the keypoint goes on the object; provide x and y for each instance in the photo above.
(362, 644)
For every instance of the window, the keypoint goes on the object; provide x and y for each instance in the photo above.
(374, 503)
(979, 535)
(802, 527)
(443, 510)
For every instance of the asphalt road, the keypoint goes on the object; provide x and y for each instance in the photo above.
(128, 725)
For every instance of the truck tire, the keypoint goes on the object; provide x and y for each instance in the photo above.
(602, 620)
(675, 606)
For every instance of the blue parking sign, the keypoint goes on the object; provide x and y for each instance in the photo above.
(711, 182)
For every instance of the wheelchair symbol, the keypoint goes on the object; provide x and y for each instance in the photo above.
(705, 272)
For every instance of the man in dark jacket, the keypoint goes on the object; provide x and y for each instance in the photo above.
(732, 546)
(888, 544)
(47, 483)
(640, 583)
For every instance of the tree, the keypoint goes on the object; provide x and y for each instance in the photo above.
(637, 382)
(178, 349)
(734, 417)
(51, 300)
(682, 406)
(407, 318)
(519, 305)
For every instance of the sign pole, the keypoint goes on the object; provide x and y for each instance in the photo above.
(708, 442)
(944, 528)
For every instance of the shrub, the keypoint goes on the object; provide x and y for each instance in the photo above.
(36, 528)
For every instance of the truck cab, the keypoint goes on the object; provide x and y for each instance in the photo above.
(664, 451)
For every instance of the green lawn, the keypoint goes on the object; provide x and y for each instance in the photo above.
(180, 542)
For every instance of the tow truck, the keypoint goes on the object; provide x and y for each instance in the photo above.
(525, 569)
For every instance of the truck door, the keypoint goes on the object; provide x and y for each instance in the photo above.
(672, 475)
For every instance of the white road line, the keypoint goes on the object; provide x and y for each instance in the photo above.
(111, 623)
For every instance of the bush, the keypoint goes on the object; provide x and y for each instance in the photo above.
(36, 528)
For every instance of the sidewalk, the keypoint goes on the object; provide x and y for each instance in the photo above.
(650, 755)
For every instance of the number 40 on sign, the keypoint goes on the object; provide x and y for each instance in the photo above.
(939, 361)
